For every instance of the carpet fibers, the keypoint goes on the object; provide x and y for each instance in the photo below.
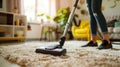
(24, 55)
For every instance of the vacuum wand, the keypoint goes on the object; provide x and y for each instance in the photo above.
(63, 38)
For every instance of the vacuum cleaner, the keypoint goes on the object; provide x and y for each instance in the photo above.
(58, 49)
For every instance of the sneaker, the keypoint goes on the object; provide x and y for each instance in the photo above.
(105, 45)
(90, 44)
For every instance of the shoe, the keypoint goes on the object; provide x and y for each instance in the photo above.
(90, 44)
(105, 45)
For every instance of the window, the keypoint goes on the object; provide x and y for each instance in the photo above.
(34, 7)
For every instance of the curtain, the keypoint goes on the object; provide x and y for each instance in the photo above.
(57, 4)
(54, 5)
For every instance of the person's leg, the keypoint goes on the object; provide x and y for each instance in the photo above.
(93, 25)
(101, 20)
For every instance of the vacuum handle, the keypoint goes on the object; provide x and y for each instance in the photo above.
(76, 2)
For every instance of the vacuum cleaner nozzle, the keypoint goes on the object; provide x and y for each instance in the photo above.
(55, 52)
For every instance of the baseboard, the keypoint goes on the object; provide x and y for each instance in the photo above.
(32, 39)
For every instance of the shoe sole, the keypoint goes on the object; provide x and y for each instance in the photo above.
(104, 48)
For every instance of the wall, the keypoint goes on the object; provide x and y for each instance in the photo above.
(111, 9)
(108, 12)
(70, 3)
(66, 3)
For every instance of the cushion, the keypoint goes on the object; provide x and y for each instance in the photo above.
(110, 29)
(117, 24)
(116, 30)
(81, 31)
(84, 24)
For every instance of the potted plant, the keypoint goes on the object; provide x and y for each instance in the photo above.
(62, 17)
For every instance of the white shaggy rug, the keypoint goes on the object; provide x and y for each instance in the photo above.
(24, 55)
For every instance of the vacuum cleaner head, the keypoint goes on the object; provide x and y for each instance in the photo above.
(55, 52)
